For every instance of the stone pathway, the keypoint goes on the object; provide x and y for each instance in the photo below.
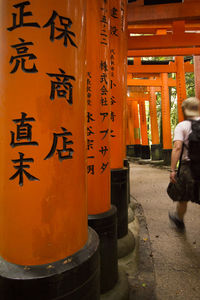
(175, 256)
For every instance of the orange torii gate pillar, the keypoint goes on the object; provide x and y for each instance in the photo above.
(102, 216)
(130, 141)
(180, 86)
(136, 128)
(166, 126)
(156, 149)
(145, 150)
(46, 249)
(118, 80)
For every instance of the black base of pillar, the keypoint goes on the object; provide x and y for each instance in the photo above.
(167, 156)
(105, 225)
(130, 150)
(145, 152)
(137, 150)
(72, 278)
(133, 150)
(119, 199)
(156, 152)
(126, 165)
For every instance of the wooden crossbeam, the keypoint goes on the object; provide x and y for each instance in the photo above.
(164, 12)
(183, 40)
(152, 28)
(150, 82)
(138, 97)
(171, 68)
(165, 52)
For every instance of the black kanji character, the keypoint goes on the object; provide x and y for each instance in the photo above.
(89, 131)
(113, 100)
(103, 150)
(62, 86)
(65, 32)
(90, 144)
(89, 117)
(103, 90)
(113, 30)
(104, 19)
(69, 151)
(89, 103)
(90, 169)
(104, 115)
(114, 13)
(112, 135)
(24, 132)
(103, 78)
(21, 169)
(104, 131)
(22, 14)
(113, 115)
(22, 50)
(104, 66)
(112, 84)
(104, 101)
(104, 166)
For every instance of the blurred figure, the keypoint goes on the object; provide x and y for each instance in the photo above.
(185, 180)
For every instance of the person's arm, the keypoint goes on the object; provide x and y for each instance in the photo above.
(176, 152)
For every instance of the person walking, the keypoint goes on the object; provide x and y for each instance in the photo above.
(191, 111)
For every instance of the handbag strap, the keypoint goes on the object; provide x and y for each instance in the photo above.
(180, 159)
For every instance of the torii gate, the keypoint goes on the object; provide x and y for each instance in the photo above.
(134, 130)
(178, 67)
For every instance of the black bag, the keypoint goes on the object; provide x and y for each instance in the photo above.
(175, 190)
(194, 149)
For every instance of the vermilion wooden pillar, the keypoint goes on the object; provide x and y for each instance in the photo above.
(180, 85)
(166, 126)
(118, 81)
(197, 75)
(130, 130)
(155, 147)
(145, 151)
(136, 126)
(43, 205)
(102, 216)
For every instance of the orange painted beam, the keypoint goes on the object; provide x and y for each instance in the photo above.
(139, 97)
(163, 12)
(143, 75)
(171, 68)
(165, 52)
(164, 41)
(151, 28)
(149, 82)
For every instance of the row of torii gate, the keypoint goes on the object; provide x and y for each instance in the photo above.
(141, 90)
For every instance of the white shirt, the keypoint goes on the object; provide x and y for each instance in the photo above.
(181, 133)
